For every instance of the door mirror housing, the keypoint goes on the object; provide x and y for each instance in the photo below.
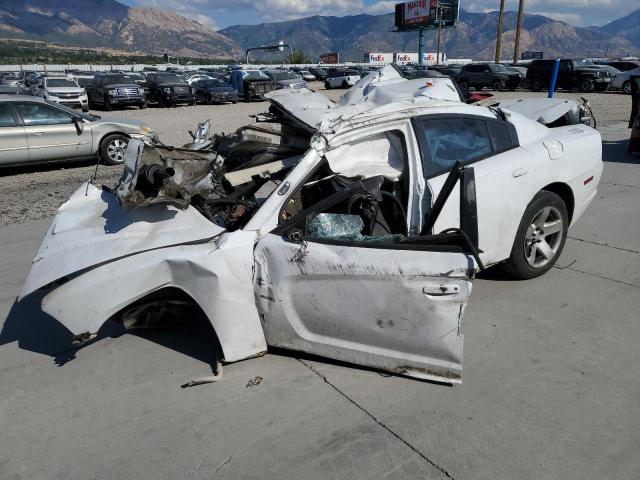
(77, 121)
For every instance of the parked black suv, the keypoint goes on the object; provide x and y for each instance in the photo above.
(580, 75)
(113, 90)
(169, 89)
(490, 75)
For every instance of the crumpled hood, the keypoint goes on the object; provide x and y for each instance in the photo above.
(92, 228)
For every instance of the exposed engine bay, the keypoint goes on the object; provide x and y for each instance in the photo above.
(228, 177)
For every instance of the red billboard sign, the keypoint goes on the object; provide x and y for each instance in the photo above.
(330, 58)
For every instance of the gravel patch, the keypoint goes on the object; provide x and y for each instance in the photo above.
(33, 193)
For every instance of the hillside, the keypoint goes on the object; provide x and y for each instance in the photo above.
(110, 24)
(474, 36)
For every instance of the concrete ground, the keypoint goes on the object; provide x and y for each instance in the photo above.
(550, 386)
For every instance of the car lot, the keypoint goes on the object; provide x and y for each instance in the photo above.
(549, 389)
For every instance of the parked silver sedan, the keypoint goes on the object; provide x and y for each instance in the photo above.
(34, 130)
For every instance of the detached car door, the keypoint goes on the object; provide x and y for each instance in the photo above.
(51, 132)
(13, 138)
(386, 303)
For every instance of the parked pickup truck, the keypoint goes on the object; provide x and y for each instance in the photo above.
(169, 89)
(63, 90)
(581, 75)
(115, 90)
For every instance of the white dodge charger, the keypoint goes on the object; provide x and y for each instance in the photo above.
(349, 230)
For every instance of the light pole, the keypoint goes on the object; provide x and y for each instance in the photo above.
(440, 9)
(499, 36)
(516, 49)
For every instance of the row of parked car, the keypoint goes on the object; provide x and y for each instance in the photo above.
(574, 74)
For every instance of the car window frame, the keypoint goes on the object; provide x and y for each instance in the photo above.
(24, 124)
(425, 150)
(16, 118)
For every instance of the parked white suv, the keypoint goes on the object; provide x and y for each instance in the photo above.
(342, 79)
(65, 91)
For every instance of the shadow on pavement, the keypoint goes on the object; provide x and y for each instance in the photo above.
(615, 151)
(38, 332)
(46, 167)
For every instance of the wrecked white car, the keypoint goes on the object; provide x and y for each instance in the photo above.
(347, 231)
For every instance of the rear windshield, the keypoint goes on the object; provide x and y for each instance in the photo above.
(170, 78)
(283, 75)
(498, 68)
(214, 83)
(255, 75)
(61, 82)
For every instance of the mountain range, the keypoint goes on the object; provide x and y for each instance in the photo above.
(111, 25)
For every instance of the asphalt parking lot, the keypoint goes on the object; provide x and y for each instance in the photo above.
(550, 385)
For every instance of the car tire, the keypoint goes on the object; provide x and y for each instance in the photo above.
(540, 237)
(626, 88)
(112, 149)
(208, 100)
(107, 104)
(143, 105)
(345, 84)
(327, 86)
(497, 85)
(85, 109)
(586, 85)
(535, 84)
(194, 102)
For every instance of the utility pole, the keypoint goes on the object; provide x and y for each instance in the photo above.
(516, 49)
(499, 36)
(421, 47)
(439, 19)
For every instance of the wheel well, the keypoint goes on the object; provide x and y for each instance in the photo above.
(192, 311)
(107, 135)
(563, 191)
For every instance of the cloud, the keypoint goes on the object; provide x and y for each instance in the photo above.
(226, 12)
(576, 12)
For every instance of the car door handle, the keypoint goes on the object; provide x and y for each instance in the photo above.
(520, 172)
(37, 133)
(440, 289)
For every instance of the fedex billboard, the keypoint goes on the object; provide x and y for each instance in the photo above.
(378, 58)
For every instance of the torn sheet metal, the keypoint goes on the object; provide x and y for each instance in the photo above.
(551, 112)
(91, 228)
(378, 155)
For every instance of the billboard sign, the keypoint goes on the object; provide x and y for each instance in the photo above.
(531, 55)
(378, 58)
(332, 58)
(426, 14)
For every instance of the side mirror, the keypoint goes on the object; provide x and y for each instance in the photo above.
(79, 125)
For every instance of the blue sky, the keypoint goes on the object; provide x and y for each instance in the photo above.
(223, 13)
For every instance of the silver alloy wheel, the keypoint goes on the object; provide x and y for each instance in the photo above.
(544, 237)
(626, 88)
(116, 149)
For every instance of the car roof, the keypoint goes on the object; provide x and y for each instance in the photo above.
(13, 98)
